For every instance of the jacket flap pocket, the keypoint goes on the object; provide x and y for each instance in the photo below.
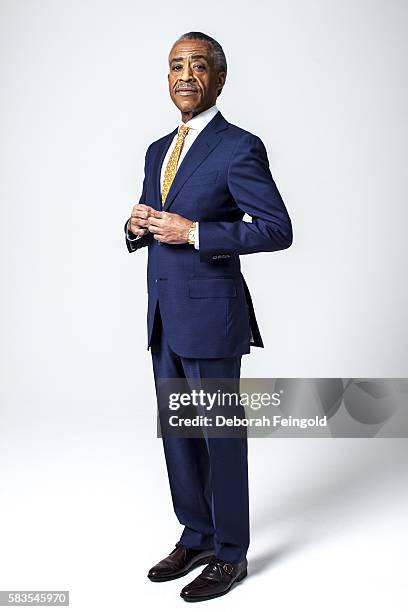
(212, 287)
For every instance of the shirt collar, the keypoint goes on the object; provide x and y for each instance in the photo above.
(200, 121)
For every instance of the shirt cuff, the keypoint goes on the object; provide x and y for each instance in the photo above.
(196, 237)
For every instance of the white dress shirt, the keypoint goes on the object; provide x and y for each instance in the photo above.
(196, 124)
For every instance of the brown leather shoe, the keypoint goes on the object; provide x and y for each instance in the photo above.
(179, 562)
(215, 580)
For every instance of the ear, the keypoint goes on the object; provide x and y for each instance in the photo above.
(221, 82)
(222, 78)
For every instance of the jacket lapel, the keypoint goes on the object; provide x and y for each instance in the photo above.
(205, 142)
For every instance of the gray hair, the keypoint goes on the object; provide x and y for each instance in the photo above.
(219, 56)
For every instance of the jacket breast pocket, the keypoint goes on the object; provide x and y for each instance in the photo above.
(203, 178)
(212, 288)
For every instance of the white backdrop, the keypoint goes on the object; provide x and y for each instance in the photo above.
(84, 91)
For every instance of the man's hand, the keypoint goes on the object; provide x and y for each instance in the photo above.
(168, 227)
(138, 223)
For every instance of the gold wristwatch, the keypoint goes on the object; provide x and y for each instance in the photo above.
(191, 233)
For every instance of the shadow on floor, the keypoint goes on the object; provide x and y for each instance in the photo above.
(351, 479)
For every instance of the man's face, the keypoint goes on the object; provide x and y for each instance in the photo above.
(194, 80)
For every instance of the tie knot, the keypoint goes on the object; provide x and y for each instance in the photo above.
(183, 130)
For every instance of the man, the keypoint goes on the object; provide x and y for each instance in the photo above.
(199, 181)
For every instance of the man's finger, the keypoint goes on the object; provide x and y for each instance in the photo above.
(141, 205)
(138, 231)
(140, 213)
(139, 217)
(140, 224)
(155, 229)
(139, 221)
(142, 208)
(156, 222)
(157, 214)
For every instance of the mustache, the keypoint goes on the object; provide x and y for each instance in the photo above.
(184, 87)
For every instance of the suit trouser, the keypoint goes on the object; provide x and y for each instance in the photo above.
(208, 476)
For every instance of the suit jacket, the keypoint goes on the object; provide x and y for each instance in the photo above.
(205, 304)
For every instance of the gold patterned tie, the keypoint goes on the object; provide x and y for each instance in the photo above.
(171, 167)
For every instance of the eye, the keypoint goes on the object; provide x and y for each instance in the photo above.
(176, 66)
(199, 67)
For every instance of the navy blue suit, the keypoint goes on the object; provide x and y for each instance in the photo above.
(200, 314)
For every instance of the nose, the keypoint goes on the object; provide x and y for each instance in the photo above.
(187, 74)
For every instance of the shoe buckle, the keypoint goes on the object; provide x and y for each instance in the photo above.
(227, 567)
